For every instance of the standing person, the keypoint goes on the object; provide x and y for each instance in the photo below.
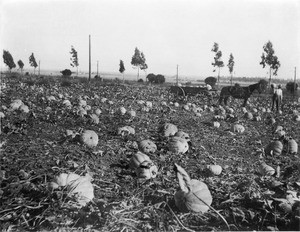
(277, 96)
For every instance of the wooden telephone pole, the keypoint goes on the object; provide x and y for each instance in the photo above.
(177, 75)
(295, 82)
(89, 58)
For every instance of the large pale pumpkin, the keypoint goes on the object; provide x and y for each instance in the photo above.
(266, 170)
(146, 170)
(126, 130)
(78, 186)
(192, 193)
(182, 135)
(89, 138)
(137, 159)
(292, 146)
(178, 145)
(16, 104)
(237, 128)
(169, 129)
(147, 146)
(274, 148)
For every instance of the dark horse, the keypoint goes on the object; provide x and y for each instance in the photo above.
(241, 92)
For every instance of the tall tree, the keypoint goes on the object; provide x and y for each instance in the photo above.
(217, 59)
(21, 65)
(230, 65)
(74, 59)
(8, 60)
(268, 58)
(138, 60)
(32, 62)
(122, 68)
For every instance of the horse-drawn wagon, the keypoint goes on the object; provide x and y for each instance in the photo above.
(188, 91)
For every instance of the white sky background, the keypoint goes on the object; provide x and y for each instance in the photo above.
(168, 33)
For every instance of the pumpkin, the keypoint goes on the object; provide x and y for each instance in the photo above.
(89, 138)
(24, 108)
(292, 146)
(192, 194)
(169, 129)
(146, 170)
(137, 159)
(254, 110)
(122, 110)
(163, 103)
(131, 113)
(82, 112)
(186, 107)
(244, 110)
(278, 128)
(183, 135)
(176, 104)
(87, 107)
(126, 130)
(263, 110)
(266, 170)
(178, 145)
(272, 121)
(79, 186)
(147, 146)
(296, 118)
(51, 98)
(248, 115)
(82, 103)
(103, 100)
(237, 128)
(214, 169)
(274, 148)
(148, 104)
(98, 112)
(16, 104)
(230, 110)
(67, 103)
(216, 124)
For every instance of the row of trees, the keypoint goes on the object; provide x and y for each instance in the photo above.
(268, 58)
(9, 61)
(138, 60)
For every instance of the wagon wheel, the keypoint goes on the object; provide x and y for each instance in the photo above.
(178, 92)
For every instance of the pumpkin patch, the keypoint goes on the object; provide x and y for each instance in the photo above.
(157, 162)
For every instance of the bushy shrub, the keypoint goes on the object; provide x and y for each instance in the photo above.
(211, 81)
(140, 80)
(291, 87)
(157, 79)
(27, 74)
(66, 73)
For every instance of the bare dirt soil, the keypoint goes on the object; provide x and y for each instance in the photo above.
(34, 150)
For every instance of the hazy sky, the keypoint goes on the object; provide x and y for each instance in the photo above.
(168, 33)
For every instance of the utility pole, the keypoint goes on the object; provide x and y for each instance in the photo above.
(295, 83)
(97, 67)
(89, 58)
(39, 66)
(177, 75)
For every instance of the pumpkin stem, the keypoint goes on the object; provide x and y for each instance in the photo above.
(183, 178)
